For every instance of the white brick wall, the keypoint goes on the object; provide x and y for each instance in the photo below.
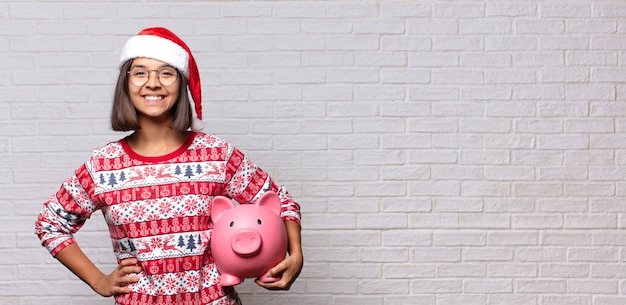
(444, 152)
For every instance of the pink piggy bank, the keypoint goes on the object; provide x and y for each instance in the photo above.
(247, 239)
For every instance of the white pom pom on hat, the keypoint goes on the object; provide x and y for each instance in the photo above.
(161, 44)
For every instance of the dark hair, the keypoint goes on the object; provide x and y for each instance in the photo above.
(124, 115)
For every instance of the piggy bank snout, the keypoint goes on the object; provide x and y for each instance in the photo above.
(246, 242)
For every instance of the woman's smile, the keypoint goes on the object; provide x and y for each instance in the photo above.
(153, 99)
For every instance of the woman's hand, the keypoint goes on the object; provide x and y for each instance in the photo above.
(117, 282)
(287, 270)
(106, 285)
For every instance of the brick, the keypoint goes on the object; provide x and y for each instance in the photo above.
(512, 270)
(457, 77)
(540, 286)
(404, 9)
(564, 10)
(405, 206)
(609, 10)
(465, 43)
(390, 26)
(436, 221)
(326, 27)
(443, 93)
(488, 286)
(484, 157)
(538, 59)
(442, 172)
(337, 126)
(300, 10)
(352, 43)
(405, 43)
(435, 188)
(565, 270)
(467, 270)
(595, 287)
(444, 239)
(567, 238)
(406, 238)
(377, 221)
(564, 43)
(379, 158)
(484, 221)
(360, 270)
(514, 9)
(354, 76)
(478, 93)
(560, 173)
(36, 11)
(513, 299)
(510, 43)
(378, 125)
(368, 238)
(538, 26)
(592, 255)
(591, 26)
(509, 174)
(510, 77)
(432, 26)
(512, 109)
(609, 300)
(540, 221)
(386, 59)
(353, 10)
(443, 286)
(378, 254)
(408, 270)
(487, 27)
(405, 142)
(459, 11)
(339, 142)
(313, 58)
(457, 299)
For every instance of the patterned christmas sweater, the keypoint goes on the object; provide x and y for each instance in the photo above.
(157, 210)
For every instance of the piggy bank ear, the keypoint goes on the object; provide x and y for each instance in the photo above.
(219, 205)
(270, 200)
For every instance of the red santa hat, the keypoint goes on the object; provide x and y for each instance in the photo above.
(161, 44)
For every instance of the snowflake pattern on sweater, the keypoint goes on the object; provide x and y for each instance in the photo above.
(157, 210)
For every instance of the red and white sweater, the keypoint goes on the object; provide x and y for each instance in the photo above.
(157, 210)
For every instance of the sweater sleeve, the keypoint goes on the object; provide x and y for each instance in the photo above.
(246, 182)
(64, 212)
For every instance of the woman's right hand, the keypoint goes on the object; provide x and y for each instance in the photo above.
(117, 282)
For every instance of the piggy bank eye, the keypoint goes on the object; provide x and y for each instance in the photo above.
(258, 221)
(232, 223)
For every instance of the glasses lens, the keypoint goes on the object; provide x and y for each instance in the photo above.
(139, 76)
(167, 76)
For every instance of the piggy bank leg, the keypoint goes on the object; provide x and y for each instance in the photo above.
(268, 279)
(230, 280)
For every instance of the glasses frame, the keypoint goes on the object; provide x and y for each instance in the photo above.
(150, 73)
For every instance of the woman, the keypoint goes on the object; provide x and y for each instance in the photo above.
(155, 186)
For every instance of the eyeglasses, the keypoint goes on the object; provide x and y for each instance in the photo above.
(139, 76)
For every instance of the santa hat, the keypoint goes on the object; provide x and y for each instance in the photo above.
(161, 44)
